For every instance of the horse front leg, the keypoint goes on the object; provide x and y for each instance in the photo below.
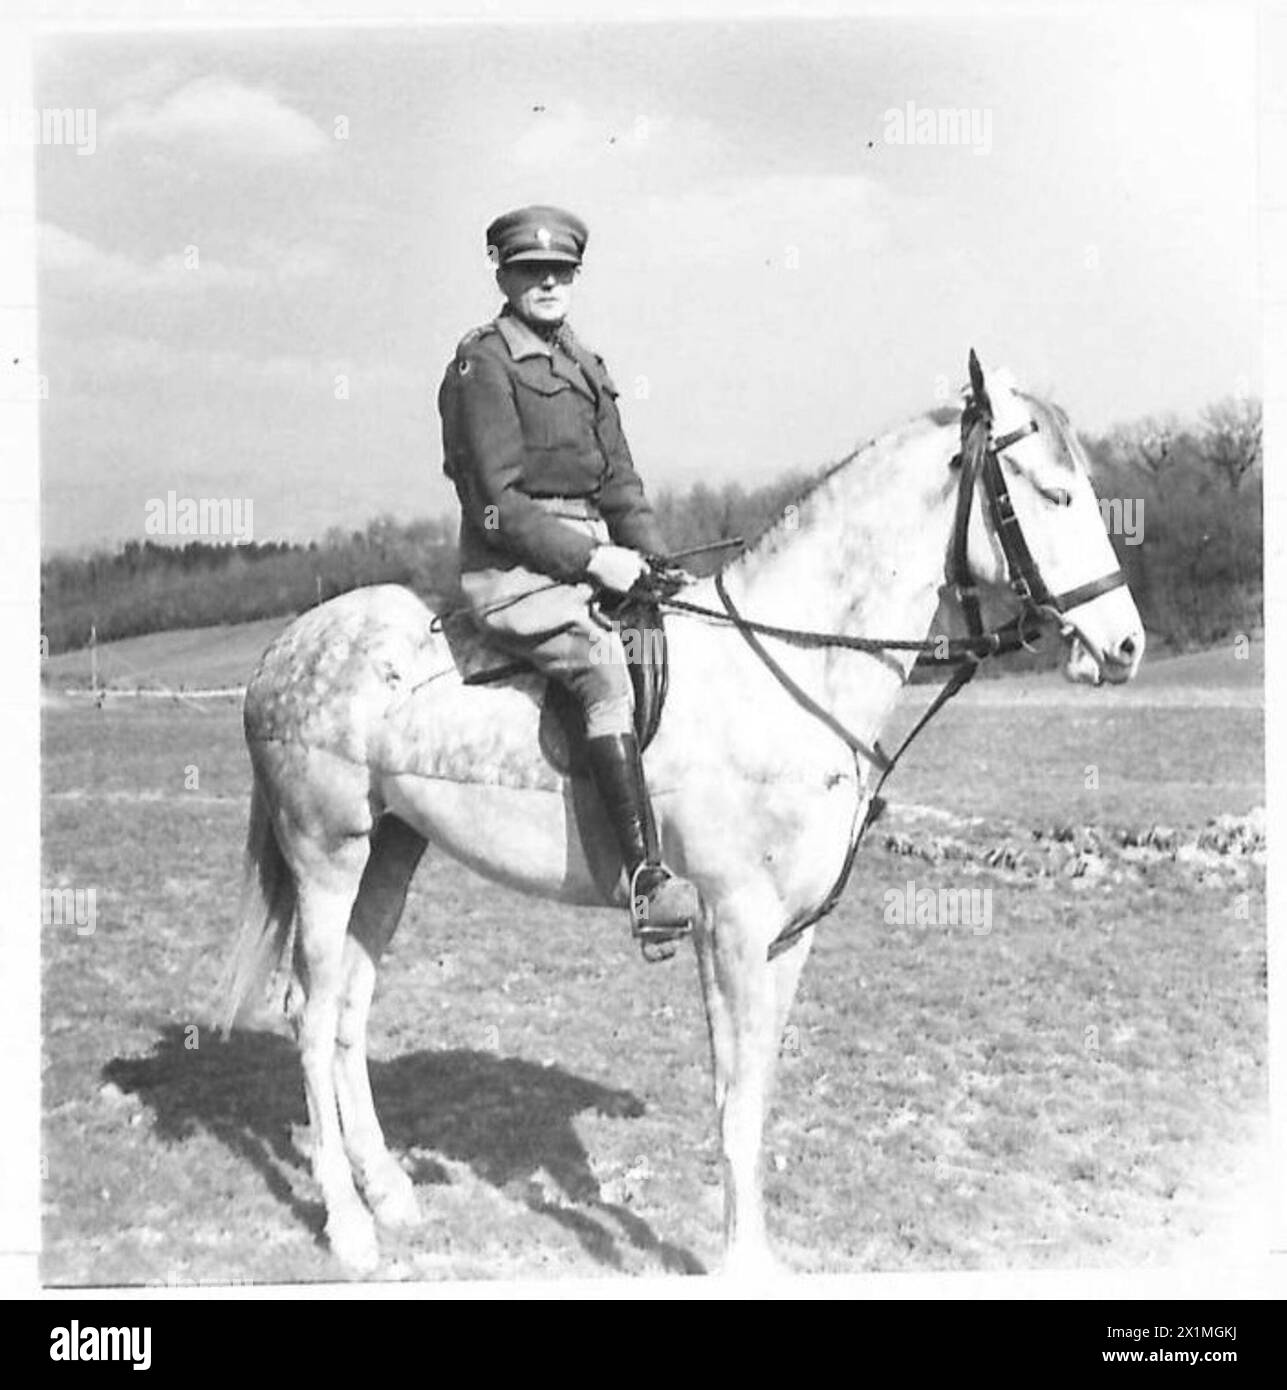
(740, 989)
(786, 971)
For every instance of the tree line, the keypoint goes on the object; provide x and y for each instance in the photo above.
(1193, 490)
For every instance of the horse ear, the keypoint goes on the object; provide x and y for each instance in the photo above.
(976, 375)
(978, 391)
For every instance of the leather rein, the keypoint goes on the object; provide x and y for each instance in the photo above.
(978, 459)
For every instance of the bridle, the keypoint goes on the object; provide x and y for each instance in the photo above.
(979, 458)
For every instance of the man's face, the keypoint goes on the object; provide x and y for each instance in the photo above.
(539, 292)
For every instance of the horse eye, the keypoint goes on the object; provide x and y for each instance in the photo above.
(1056, 496)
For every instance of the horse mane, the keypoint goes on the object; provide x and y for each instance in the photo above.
(761, 541)
(1052, 418)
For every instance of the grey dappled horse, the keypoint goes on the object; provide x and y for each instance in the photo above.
(367, 746)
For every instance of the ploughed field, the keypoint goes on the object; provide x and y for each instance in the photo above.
(1059, 1061)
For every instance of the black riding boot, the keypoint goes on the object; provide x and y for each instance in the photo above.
(663, 906)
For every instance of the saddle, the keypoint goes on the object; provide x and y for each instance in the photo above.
(562, 729)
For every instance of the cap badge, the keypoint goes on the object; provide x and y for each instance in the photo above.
(543, 238)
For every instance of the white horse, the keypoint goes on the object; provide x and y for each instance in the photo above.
(367, 745)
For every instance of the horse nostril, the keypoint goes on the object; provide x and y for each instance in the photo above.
(1127, 648)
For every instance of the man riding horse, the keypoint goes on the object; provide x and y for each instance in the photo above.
(553, 514)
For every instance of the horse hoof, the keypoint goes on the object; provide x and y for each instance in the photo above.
(353, 1243)
(396, 1207)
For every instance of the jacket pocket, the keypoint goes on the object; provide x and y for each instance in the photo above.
(549, 412)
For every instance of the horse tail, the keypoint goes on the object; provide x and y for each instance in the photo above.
(261, 970)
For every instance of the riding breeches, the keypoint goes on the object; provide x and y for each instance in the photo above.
(550, 626)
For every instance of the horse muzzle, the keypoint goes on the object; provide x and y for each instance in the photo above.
(1087, 664)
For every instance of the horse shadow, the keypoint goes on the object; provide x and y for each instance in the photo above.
(505, 1118)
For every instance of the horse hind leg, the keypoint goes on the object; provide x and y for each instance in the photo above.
(396, 851)
(328, 880)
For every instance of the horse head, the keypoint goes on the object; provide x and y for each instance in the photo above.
(1030, 545)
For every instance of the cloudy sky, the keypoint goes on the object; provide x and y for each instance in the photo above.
(770, 275)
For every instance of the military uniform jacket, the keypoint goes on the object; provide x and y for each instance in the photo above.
(523, 418)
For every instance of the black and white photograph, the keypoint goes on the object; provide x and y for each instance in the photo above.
(652, 647)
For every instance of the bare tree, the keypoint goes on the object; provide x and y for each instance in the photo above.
(1147, 444)
(1232, 437)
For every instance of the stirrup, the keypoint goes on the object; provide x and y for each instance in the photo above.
(656, 943)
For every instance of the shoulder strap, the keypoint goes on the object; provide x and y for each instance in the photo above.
(474, 334)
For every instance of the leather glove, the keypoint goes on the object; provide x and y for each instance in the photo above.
(616, 568)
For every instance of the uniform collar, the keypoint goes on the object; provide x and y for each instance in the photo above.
(523, 343)
(520, 339)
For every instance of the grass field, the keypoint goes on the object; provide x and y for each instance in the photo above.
(1055, 1092)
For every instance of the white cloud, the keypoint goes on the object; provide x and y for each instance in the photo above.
(225, 116)
(72, 262)
(301, 259)
(68, 260)
(130, 357)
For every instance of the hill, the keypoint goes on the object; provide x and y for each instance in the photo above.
(205, 658)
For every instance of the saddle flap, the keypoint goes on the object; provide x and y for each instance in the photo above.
(478, 659)
(639, 623)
